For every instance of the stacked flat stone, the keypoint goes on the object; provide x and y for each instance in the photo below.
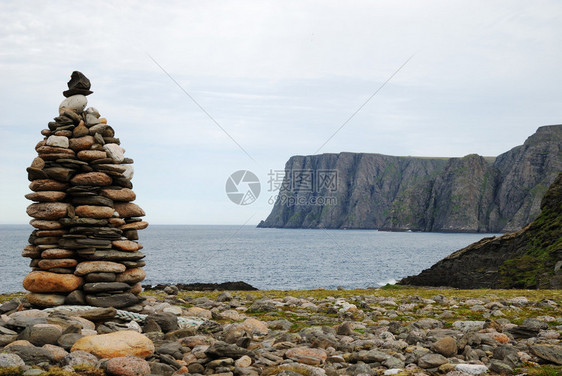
(84, 248)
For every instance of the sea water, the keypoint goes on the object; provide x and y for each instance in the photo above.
(283, 259)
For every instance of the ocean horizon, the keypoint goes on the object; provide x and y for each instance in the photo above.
(268, 259)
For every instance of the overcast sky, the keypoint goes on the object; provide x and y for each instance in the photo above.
(280, 77)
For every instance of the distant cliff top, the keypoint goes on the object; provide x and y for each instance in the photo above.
(400, 193)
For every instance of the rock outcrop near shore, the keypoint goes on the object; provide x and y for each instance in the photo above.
(529, 258)
(468, 194)
(84, 248)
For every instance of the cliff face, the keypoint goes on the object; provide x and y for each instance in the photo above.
(528, 258)
(469, 194)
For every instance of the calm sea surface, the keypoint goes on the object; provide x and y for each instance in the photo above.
(265, 258)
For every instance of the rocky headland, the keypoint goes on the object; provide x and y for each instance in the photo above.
(394, 331)
(528, 258)
(468, 194)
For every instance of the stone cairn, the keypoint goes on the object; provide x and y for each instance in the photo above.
(84, 247)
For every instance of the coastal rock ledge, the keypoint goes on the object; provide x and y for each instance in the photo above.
(528, 258)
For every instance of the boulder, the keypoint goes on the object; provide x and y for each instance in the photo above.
(76, 103)
(167, 321)
(255, 327)
(115, 300)
(31, 355)
(127, 366)
(306, 355)
(10, 360)
(39, 281)
(45, 300)
(116, 344)
(550, 353)
(42, 334)
(431, 360)
(79, 357)
(446, 346)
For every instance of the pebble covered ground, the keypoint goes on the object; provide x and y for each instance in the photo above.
(403, 331)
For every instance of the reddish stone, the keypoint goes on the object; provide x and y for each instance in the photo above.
(117, 221)
(57, 263)
(127, 366)
(81, 143)
(50, 153)
(39, 281)
(48, 210)
(47, 185)
(91, 155)
(80, 130)
(45, 225)
(50, 233)
(140, 225)
(500, 337)
(48, 240)
(306, 355)
(124, 194)
(38, 163)
(92, 211)
(56, 253)
(57, 353)
(31, 251)
(46, 196)
(131, 276)
(66, 133)
(127, 210)
(136, 288)
(255, 327)
(126, 245)
(39, 144)
(97, 179)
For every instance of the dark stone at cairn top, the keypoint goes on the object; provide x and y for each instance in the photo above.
(78, 84)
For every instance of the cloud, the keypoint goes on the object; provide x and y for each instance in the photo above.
(280, 78)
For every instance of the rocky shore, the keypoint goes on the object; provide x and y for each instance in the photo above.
(402, 331)
(529, 258)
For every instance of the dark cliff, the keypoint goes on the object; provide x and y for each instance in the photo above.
(528, 258)
(374, 191)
